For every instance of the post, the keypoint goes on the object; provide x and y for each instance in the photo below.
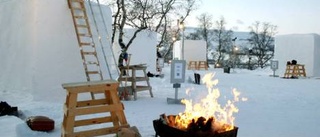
(178, 68)
(181, 26)
(182, 48)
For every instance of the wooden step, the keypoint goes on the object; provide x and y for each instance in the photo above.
(136, 79)
(77, 1)
(82, 26)
(77, 8)
(89, 53)
(93, 72)
(91, 63)
(142, 88)
(86, 44)
(84, 35)
(80, 17)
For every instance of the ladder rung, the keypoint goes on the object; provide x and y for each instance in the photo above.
(77, 8)
(86, 44)
(77, 0)
(89, 53)
(84, 35)
(92, 72)
(80, 17)
(91, 63)
(82, 26)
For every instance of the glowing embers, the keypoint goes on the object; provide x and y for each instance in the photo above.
(204, 118)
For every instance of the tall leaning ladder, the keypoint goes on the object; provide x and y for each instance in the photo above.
(85, 40)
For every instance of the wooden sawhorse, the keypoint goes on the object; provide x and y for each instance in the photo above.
(89, 113)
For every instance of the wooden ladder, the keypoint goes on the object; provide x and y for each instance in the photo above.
(136, 81)
(85, 40)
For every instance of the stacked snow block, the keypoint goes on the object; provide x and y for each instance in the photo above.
(6, 109)
(40, 123)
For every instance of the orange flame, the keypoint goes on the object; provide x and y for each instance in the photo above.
(209, 107)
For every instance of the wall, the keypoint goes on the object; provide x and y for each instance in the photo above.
(38, 48)
(143, 49)
(300, 47)
(194, 50)
(316, 58)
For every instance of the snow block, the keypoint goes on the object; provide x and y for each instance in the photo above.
(304, 48)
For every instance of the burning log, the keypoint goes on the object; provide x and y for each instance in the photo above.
(166, 127)
(200, 124)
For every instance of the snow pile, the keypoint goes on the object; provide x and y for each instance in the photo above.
(275, 106)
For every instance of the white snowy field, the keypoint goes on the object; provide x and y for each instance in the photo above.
(275, 107)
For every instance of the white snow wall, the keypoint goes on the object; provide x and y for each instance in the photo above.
(305, 48)
(194, 50)
(39, 49)
(143, 48)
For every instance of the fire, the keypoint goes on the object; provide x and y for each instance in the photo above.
(209, 107)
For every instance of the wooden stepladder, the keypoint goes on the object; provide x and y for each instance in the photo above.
(85, 40)
(86, 117)
(295, 71)
(136, 81)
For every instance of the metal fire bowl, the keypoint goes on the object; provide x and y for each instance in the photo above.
(163, 130)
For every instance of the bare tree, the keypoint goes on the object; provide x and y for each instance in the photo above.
(204, 30)
(262, 40)
(153, 15)
(223, 38)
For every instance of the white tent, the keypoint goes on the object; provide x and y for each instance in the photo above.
(194, 50)
(304, 48)
(39, 35)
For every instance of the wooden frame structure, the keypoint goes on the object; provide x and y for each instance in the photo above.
(295, 71)
(86, 114)
(134, 79)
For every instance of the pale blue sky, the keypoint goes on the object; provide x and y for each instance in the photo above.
(291, 16)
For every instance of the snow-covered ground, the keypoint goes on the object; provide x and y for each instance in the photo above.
(275, 107)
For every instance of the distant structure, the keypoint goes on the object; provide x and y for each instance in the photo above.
(304, 48)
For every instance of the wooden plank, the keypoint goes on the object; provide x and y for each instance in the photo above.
(90, 83)
(84, 35)
(92, 121)
(77, 8)
(89, 53)
(142, 88)
(92, 72)
(69, 124)
(97, 88)
(136, 79)
(77, 0)
(80, 17)
(97, 132)
(97, 109)
(88, 103)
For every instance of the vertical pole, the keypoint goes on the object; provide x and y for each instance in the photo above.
(176, 94)
(182, 54)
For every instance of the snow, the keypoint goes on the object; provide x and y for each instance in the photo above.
(34, 65)
(275, 106)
